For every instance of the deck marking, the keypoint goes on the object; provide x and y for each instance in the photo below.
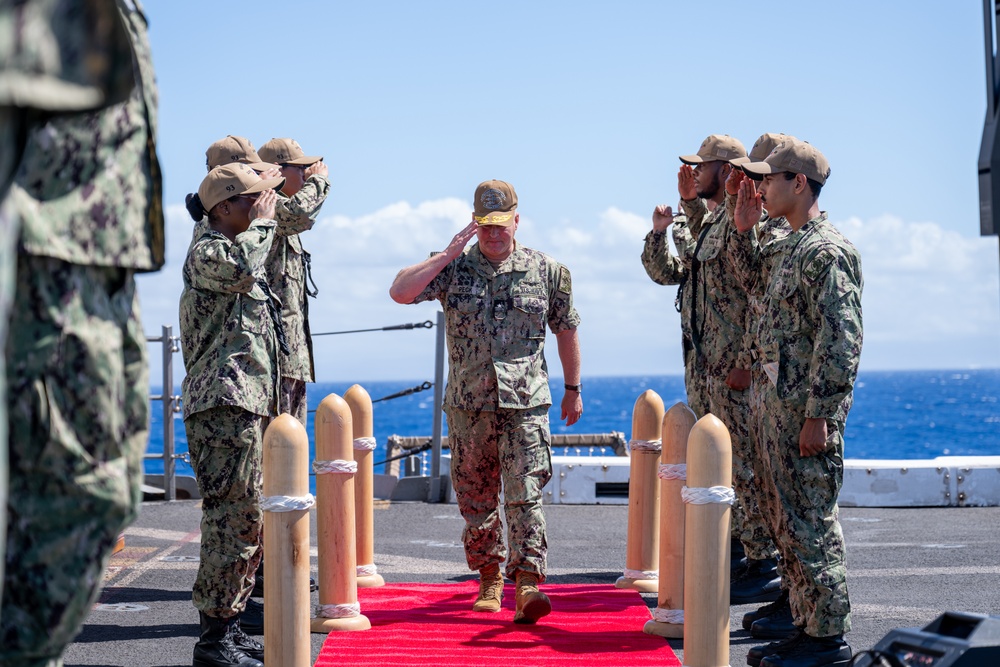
(151, 563)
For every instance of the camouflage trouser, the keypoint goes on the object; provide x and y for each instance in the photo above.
(79, 415)
(226, 445)
(512, 447)
(292, 399)
(695, 383)
(800, 500)
(748, 525)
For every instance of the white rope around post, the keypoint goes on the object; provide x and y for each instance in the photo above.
(365, 444)
(645, 445)
(338, 466)
(287, 503)
(366, 570)
(641, 574)
(675, 616)
(338, 610)
(709, 495)
(669, 471)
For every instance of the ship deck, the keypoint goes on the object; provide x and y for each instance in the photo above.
(905, 568)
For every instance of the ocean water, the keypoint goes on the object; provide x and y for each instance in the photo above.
(896, 414)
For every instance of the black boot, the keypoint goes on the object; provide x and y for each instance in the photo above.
(252, 618)
(216, 647)
(757, 581)
(811, 652)
(766, 610)
(758, 653)
(247, 644)
(777, 624)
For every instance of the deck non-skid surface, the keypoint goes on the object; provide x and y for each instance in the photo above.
(905, 567)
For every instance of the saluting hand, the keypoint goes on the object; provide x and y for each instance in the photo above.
(460, 240)
(663, 216)
(749, 207)
(317, 168)
(273, 172)
(685, 183)
(264, 206)
(736, 176)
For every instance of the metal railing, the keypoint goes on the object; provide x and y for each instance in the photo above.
(171, 403)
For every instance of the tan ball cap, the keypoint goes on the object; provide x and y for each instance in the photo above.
(286, 151)
(233, 179)
(495, 203)
(717, 147)
(795, 156)
(235, 149)
(762, 147)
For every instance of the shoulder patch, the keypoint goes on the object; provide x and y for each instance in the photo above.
(817, 265)
(565, 281)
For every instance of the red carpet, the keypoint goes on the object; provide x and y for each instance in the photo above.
(434, 625)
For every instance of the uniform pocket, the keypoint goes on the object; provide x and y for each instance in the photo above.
(529, 317)
(253, 314)
(463, 314)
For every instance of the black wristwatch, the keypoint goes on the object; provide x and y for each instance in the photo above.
(573, 387)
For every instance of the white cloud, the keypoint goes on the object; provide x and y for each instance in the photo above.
(931, 296)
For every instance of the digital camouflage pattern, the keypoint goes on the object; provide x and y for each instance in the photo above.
(808, 349)
(497, 396)
(227, 336)
(496, 321)
(718, 306)
(512, 447)
(287, 272)
(75, 353)
(226, 446)
(89, 189)
(79, 413)
(292, 399)
(664, 268)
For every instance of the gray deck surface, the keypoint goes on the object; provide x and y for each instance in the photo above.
(905, 567)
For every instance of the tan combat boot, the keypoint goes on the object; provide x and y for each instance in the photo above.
(490, 589)
(531, 603)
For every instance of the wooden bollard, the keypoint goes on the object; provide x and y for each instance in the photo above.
(708, 496)
(338, 609)
(286, 506)
(668, 616)
(643, 534)
(364, 486)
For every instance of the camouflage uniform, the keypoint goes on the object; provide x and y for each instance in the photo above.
(87, 198)
(287, 273)
(808, 348)
(230, 355)
(664, 268)
(497, 396)
(713, 309)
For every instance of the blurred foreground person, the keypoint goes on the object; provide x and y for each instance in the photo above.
(86, 206)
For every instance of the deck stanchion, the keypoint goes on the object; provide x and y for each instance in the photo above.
(643, 533)
(360, 404)
(286, 504)
(708, 496)
(668, 616)
(338, 609)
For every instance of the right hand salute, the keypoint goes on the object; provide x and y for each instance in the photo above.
(736, 177)
(662, 217)
(685, 183)
(749, 207)
(317, 168)
(264, 206)
(461, 240)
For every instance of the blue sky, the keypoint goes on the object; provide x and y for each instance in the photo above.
(584, 107)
